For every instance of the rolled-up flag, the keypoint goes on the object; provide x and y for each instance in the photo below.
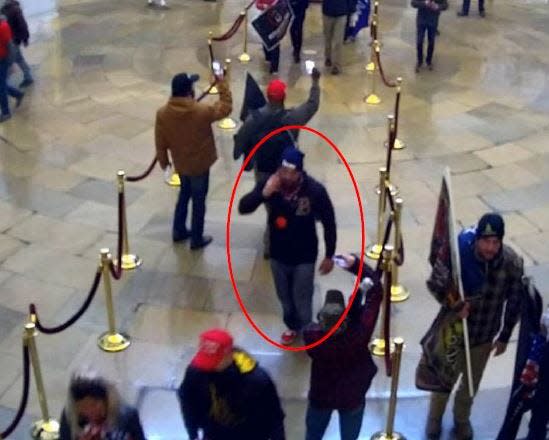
(253, 97)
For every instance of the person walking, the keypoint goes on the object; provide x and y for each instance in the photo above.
(295, 201)
(296, 29)
(492, 279)
(14, 14)
(184, 128)
(7, 49)
(334, 20)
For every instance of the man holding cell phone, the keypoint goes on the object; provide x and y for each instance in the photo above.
(184, 128)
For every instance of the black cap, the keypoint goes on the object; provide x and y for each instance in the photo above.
(333, 308)
(491, 225)
(182, 84)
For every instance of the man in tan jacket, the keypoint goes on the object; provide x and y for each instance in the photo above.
(184, 127)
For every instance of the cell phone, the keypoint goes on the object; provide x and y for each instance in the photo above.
(340, 261)
(217, 69)
(309, 66)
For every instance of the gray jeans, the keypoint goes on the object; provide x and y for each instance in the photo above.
(334, 32)
(22, 63)
(294, 288)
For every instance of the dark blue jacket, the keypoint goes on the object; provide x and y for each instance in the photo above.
(425, 15)
(338, 8)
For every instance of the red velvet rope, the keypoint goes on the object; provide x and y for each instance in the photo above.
(75, 317)
(397, 112)
(24, 395)
(384, 79)
(387, 325)
(230, 33)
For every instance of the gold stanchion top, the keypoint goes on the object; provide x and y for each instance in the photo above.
(399, 202)
(30, 331)
(210, 34)
(382, 170)
(243, 12)
(227, 61)
(387, 256)
(398, 341)
(376, 45)
(105, 254)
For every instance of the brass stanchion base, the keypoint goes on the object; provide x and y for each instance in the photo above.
(393, 189)
(372, 99)
(213, 91)
(227, 123)
(373, 252)
(130, 261)
(244, 58)
(370, 67)
(45, 429)
(377, 347)
(174, 180)
(113, 342)
(399, 293)
(399, 145)
(385, 436)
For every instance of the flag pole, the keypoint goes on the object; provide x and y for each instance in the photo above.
(456, 263)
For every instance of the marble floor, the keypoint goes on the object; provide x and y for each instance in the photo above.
(103, 67)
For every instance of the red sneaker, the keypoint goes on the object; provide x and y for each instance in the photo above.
(288, 337)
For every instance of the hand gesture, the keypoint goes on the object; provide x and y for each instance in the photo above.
(272, 186)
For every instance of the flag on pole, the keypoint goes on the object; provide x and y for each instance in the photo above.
(253, 97)
(360, 19)
(444, 341)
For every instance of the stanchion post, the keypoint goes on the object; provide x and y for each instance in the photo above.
(110, 341)
(371, 66)
(399, 145)
(372, 98)
(245, 56)
(45, 428)
(213, 90)
(129, 261)
(393, 189)
(377, 346)
(399, 293)
(227, 123)
(389, 433)
(374, 251)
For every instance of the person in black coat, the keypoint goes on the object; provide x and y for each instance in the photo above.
(296, 29)
(227, 395)
(94, 411)
(295, 201)
(428, 12)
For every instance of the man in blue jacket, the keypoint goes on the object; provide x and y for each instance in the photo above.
(295, 201)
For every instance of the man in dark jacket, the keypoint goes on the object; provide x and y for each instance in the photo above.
(492, 281)
(295, 201)
(271, 116)
(227, 395)
(13, 12)
(342, 368)
(465, 9)
(334, 19)
(428, 12)
(6, 90)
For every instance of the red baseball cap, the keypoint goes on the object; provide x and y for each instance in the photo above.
(215, 344)
(276, 90)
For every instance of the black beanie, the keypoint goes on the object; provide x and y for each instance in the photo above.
(491, 225)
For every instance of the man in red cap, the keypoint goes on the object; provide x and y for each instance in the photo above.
(226, 395)
(271, 116)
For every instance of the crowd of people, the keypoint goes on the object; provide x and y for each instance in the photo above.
(225, 393)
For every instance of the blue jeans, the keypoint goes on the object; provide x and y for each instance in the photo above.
(295, 287)
(5, 88)
(195, 188)
(317, 421)
(22, 63)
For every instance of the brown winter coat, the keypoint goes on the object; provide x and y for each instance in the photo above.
(184, 127)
